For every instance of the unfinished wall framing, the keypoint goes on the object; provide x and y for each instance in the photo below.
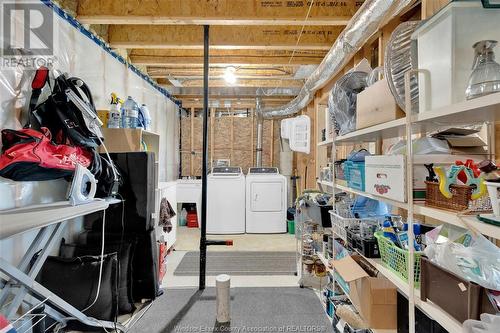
(231, 136)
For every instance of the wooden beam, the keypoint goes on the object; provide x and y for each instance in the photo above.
(163, 58)
(272, 142)
(223, 37)
(212, 136)
(232, 135)
(252, 138)
(192, 141)
(216, 12)
(431, 7)
(243, 83)
(242, 72)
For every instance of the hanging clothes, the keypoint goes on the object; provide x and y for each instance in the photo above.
(166, 214)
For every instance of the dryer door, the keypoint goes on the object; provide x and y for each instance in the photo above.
(266, 196)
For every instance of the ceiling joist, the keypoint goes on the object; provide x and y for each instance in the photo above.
(222, 58)
(216, 12)
(240, 83)
(222, 37)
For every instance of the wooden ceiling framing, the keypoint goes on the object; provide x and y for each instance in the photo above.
(256, 37)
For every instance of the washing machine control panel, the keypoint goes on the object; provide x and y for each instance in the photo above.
(226, 170)
(266, 171)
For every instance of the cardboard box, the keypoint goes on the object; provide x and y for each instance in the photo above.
(376, 105)
(375, 298)
(124, 140)
(385, 176)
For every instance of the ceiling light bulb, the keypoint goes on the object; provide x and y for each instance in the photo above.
(229, 75)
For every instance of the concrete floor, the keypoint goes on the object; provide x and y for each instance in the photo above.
(188, 240)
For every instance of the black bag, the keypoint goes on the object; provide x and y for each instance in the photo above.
(75, 280)
(69, 111)
(145, 283)
(124, 251)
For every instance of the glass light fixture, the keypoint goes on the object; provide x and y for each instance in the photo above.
(229, 75)
(485, 77)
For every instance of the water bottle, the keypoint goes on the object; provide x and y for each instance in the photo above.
(130, 113)
(115, 114)
(183, 217)
(144, 117)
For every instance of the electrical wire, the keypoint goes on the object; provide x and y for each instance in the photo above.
(275, 89)
(102, 263)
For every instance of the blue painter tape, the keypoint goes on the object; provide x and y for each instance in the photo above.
(78, 26)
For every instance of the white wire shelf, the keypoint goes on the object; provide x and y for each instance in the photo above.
(372, 196)
(326, 142)
(432, 310)
(330, 271)
(18, 220)
(449, 217)
(325, 183)
(478, 110)
(391, 129)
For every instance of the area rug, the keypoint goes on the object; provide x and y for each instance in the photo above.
(252, 310)
(239, 263)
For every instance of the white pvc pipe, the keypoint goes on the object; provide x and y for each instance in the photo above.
(223, 297)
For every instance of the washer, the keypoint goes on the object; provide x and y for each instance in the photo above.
(266, 201)
(226, 201)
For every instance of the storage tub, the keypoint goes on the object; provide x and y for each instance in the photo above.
(354, 173)
(455, 29)
(396, 259)
(339, 224)
(460, 298)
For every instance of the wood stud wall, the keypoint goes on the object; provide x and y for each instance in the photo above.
(230, 137)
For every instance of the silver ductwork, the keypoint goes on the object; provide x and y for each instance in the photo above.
(367, 20)
(260, 125)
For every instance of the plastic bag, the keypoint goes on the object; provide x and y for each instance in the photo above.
(365, 207)
(469, 255)
(489, 324)
(422, 146)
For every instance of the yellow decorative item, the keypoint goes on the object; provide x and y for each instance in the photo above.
(446, 181)
(477, 183)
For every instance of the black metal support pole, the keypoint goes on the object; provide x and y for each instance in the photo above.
(203, 238)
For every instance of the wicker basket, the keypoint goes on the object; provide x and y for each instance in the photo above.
(458, 202)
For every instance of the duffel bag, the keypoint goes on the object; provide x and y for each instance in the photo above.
(30, 155)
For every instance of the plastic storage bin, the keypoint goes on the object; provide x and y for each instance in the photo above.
(291, 227)
(354, 173)
(449, 65)
(340, 224)
(396, 259)
(460, 298)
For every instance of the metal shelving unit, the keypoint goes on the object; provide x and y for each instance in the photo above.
(481, 110)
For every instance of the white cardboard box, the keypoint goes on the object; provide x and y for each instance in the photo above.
(385, 176)
(394, 166)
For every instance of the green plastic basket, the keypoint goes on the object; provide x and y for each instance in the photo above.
(396, 259)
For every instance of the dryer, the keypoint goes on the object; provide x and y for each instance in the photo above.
(226, 201)
(266, 196)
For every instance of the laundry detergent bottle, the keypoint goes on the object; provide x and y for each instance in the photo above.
(130, 113)
(115, 113)
(144, 117)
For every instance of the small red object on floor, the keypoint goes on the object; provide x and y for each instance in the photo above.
(192, 220)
